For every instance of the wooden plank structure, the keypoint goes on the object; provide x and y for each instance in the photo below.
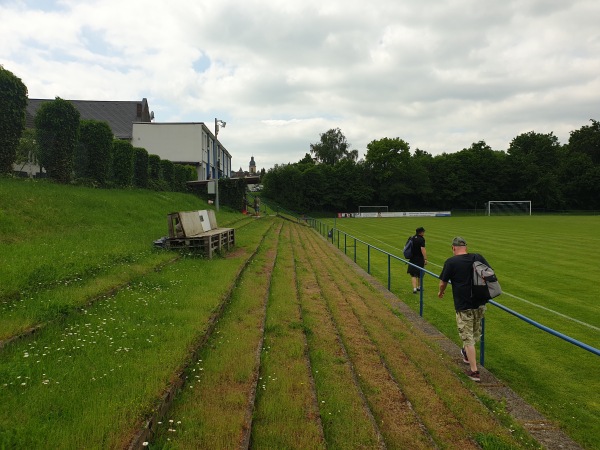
(198, 230)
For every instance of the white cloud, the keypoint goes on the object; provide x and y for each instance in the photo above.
(440, 75)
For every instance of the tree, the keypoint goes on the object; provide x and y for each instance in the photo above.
(93, 154)
(57, 125)
(122, 163)
(533, 161)
(388, 161)
(167, 169)
(332, 148)
(307, 160)
(586, 140)
(183, 174)
(155, 177)
(140, 167)
(579, 180)
(349, 187)
(13, 102)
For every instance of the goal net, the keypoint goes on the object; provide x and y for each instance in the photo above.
(509, 208)
(371, 211)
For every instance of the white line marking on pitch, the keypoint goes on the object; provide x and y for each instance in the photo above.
(555, 312)
(506, 293)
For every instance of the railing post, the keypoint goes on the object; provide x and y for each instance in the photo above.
(338, 240)
(354, 249)
(345, 243)
(421, 293)
(389, 272)
(482, 343)
(369, 259)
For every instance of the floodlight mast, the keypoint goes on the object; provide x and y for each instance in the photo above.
(218, 123)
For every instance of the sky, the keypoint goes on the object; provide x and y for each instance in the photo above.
(439, 74)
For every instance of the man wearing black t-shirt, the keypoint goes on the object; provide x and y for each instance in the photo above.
(418, 258)
(469, 313)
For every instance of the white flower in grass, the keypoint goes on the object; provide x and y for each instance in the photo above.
(145, 444)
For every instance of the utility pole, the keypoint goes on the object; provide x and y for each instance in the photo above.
(218, 123)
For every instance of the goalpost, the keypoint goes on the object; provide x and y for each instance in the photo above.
(371, 211)
(508, 207)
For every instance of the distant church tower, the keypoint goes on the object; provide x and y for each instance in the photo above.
(252, 166)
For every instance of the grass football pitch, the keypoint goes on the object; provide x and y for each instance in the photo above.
(548, 269)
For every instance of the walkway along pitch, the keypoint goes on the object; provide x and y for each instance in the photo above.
(539, 427)
(412, 408)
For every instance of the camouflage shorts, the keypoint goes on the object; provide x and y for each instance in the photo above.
(469, 324)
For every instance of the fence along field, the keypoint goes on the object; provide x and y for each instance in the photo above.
(97, 371)
(548, 271)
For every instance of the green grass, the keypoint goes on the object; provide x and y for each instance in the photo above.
(97, 368)
(226, 369)
(121, 319)
(62, 246)
(547, 269)
(286, 407)
(80, 377)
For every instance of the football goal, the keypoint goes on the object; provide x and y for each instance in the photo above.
(508, 208)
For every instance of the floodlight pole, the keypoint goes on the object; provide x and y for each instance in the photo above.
(218, 123)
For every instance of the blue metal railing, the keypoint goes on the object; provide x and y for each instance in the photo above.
(330, 234)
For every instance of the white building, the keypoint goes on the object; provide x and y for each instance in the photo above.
(190, 143)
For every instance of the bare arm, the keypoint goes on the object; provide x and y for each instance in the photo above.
(443, 285)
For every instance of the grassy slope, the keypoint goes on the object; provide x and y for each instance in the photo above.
(89, 240)
(96, 366)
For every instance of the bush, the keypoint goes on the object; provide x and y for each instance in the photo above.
(93, 154)
(13, 102)
(168, 173)
(181, 175)
(57, 125)
(122, 165)
(140, 167)
(232, 193)
(154, 168)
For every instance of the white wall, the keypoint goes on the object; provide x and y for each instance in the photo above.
(190, 142)
(172, 141)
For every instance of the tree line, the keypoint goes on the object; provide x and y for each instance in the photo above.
(535, 167)
(75, 150)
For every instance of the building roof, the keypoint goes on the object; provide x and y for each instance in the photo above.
(120, 115)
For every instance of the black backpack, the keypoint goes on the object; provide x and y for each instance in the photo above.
(408, 248)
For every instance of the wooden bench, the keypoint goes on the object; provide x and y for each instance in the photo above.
(198, 230)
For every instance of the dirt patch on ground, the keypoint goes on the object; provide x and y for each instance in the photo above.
(235, 253)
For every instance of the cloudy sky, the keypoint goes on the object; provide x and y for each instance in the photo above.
(440, 74)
